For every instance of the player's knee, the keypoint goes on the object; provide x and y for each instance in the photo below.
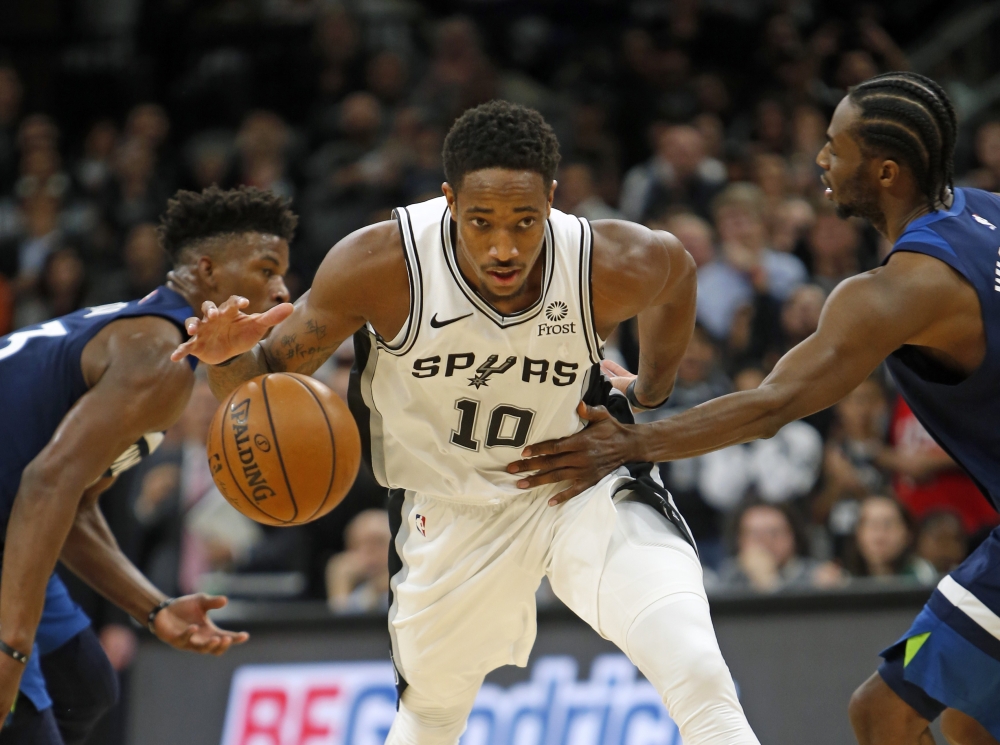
(420, 722)
(864, 709)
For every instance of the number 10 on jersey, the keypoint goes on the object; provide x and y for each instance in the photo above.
(506, 427)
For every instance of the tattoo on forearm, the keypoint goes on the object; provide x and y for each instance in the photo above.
(314, 328)
(302, 355)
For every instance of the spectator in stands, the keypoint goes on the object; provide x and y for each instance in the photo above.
(357, 579)
(783, 468)
(941, 541)
(576, 194)
(262, 145)
(850, 463)
(883, 543)
(748, 267)
(987, 176)
(699, 379)
(94, 170)
(833, 250)
(926, 479)
(695, 233)
(61, 288)
(680, 173)
(798, 320)
(11, 95)
(770, 553)
(145, 268)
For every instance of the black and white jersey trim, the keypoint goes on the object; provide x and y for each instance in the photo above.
(414, 273)
(594, 345)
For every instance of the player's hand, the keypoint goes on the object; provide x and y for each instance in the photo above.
(10, 679)
(582, 459)
(617, 375)
(184, 624)
(224, 331)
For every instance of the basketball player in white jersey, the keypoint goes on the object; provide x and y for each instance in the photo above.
(478, 321)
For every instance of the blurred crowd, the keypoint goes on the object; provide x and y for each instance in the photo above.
(703, 119)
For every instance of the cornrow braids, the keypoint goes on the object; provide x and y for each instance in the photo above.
(910, 117)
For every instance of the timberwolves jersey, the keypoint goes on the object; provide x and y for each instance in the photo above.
(451, 401)
(41, 379)
(962, 415)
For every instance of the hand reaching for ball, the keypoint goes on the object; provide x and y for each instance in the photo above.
(224, 331)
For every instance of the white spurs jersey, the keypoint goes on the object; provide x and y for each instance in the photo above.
(453, 399)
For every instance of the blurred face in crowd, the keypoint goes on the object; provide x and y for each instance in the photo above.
(368, 536)
(882, 534)
(791, 219)
(683, 147)
(748, 379)
(942, 542)
(742, 225)
(767, 528)
(361, 117)
(695, 234)
(800, 313)
(988, 146)
(698, 360)
(576, 183)
(148, 123)
(861, 411)
(834, 244)
(500, 216)
(10, 95)
(850, 178)
(145, 260)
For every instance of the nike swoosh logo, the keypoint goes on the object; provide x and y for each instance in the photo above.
(436, 324)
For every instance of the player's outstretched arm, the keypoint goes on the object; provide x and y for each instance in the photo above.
(363, 278)
(92, 553)
(649, 275)
(135, 389)
(865, 319)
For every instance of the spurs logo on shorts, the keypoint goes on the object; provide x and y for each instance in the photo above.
(454, 397)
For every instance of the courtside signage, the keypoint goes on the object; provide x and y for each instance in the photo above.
(353, 703)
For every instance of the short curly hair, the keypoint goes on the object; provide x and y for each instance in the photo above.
(500, 134)
(193, 216)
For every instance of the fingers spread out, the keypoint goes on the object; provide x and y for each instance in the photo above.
(275, 315)
(593, 413)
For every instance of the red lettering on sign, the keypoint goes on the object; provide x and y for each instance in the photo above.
(310, 728)
(271, 728)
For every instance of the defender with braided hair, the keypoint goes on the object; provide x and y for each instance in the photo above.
(932, 313)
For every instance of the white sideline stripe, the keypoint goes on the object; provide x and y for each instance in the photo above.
(969, 604)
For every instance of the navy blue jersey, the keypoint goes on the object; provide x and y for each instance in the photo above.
(41, 379)
(962, 415)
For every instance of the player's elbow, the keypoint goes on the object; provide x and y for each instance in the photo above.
(46, 485)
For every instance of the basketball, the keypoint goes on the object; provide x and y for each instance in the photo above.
(283, 449)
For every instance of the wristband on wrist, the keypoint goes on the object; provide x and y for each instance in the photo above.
(13, 653)
(152, 614)
(634, 402)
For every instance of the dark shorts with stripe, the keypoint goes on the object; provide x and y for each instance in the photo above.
(950, 657)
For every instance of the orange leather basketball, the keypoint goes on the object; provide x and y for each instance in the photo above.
(284, 449)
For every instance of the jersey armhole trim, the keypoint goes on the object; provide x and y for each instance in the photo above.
(935, 252)
(594, 345)
(407, 336)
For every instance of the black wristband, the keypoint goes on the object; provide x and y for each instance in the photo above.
(634, 402)
(152, 614)
(13, 653)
